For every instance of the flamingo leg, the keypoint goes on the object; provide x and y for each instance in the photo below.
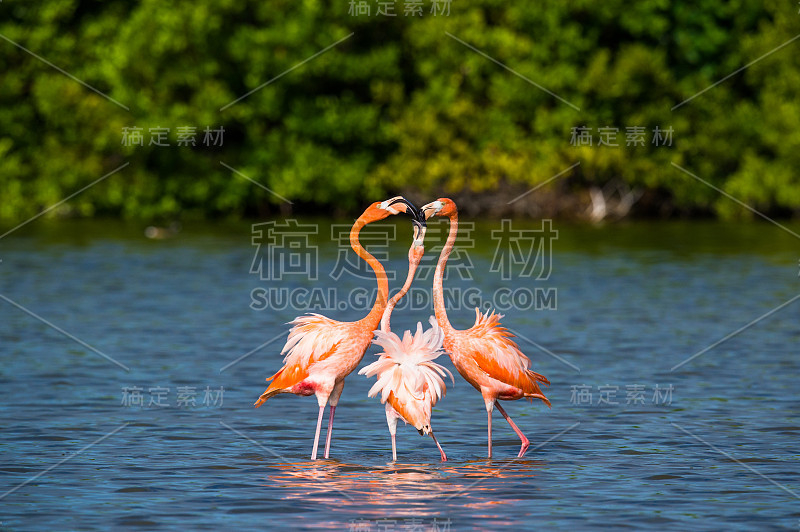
(489, 413)
(316, 437)
(330, 431)
(525, 441)
(333, 400)
(391, 421)
(444, 456)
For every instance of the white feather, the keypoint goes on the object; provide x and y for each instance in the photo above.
(406, 365)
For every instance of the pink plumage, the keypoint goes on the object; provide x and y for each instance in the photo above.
(485, 354)
(321, 352)
(409, 381)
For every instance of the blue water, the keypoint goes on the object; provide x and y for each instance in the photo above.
(714, 448)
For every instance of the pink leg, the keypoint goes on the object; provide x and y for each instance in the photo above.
(330, 431)
(444, 456)
(525, 442)
(394, 450)
(490, 433)
(316, 437)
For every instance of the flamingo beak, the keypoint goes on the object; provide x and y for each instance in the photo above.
(431, 209)
(417, 218)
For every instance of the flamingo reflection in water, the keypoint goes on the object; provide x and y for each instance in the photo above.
(404, 491)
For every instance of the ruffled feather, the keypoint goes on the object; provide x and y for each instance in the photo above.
(491, 347)
(405, 368)
(312, 336)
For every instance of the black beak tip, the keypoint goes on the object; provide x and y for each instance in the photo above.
(417, 215)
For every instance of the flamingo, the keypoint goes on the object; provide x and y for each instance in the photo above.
(321, 352)
(485, 355)
(409, 382)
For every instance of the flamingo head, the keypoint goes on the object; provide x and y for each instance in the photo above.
(396, 205)
(382, 209)
(440, 207)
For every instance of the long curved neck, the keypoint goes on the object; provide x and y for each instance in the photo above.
(413, 262)
(438, 291)
(375, 314)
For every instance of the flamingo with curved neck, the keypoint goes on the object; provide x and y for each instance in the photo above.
(321, 352)
(485, 355)
(415, 254)
(409, 382)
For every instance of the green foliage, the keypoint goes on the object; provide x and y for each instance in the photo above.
(400, 105)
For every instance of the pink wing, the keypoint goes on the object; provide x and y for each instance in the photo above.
(491, 346)
(312, 339)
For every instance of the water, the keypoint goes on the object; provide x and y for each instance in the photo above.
(715, 448)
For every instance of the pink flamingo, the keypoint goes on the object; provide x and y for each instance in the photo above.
(485, 355)
(321, 352)
(409, 382)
